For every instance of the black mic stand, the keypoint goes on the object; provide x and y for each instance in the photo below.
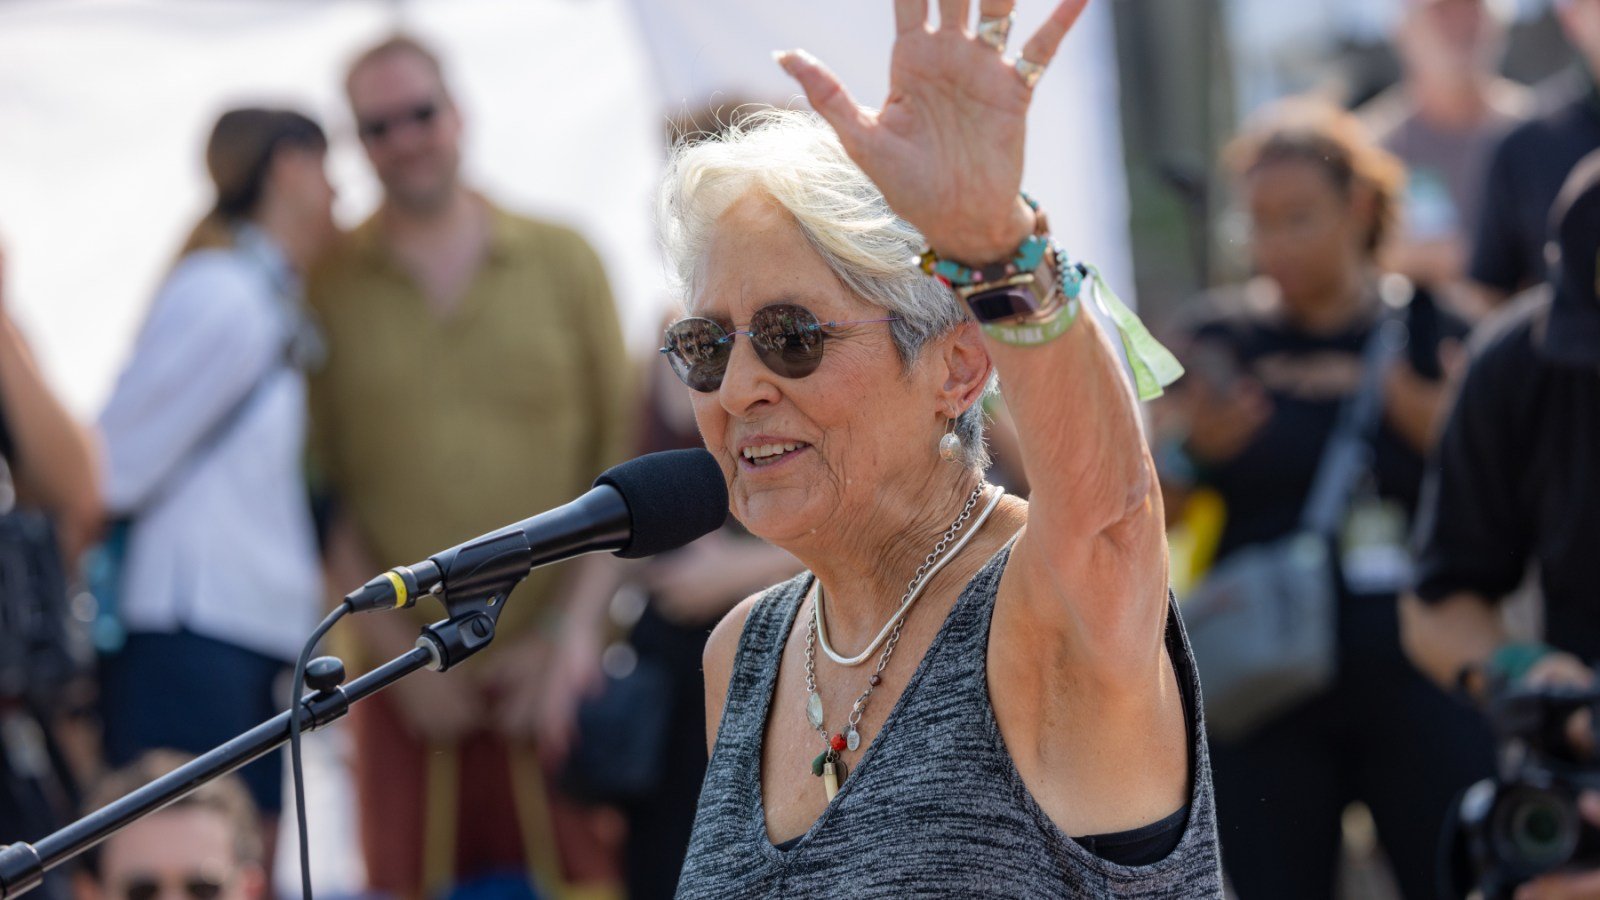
(442, 646)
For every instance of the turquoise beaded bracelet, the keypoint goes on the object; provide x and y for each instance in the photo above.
(1028, 258)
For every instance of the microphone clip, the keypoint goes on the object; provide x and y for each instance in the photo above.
(474, 578)
(481, 574)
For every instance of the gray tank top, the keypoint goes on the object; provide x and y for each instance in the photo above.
(935, 806)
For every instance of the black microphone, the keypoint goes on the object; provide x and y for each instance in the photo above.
(639, 508)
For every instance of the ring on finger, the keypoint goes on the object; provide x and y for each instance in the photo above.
(1029, 70)
(993, 30)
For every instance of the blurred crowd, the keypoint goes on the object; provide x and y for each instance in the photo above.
(304, 408)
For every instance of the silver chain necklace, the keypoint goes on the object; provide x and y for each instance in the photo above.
(827, 765)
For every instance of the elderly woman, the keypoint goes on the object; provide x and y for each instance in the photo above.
(966, 692)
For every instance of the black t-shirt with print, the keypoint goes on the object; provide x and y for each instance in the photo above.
(1516, 481)
(1307, 377)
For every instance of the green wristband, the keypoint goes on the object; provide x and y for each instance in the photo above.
(1154, 366)
(1035, 333)
(1513, 661)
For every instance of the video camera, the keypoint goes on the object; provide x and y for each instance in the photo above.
(1524, 823)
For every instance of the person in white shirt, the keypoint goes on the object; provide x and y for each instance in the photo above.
(201, 459)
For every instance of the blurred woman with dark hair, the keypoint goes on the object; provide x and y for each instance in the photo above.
(1272, 364)
(202, 441)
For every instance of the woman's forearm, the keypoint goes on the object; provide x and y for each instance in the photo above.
(55, 465)
(1078, 427)
(1095, 548)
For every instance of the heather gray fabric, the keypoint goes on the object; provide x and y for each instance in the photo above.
(935, 806)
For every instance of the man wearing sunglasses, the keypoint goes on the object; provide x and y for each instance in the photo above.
(206, 846)
(499, 333)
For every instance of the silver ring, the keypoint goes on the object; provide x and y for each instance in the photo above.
(1029, 70)
(993, 30)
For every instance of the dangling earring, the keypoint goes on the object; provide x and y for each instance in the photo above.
(950, 444)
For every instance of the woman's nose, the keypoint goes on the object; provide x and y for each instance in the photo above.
(747, 383)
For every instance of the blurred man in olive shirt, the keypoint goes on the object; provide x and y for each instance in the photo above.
(476, 376)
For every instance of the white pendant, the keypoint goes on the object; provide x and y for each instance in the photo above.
(852, 739)
(814, 710)
(832, 774)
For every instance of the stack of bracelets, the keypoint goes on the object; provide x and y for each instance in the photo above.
(1033, 298)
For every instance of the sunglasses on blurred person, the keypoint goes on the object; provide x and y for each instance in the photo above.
(194, 886)
(377, 130)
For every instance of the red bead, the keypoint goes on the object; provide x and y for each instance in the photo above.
(837, 743)
(875, 681)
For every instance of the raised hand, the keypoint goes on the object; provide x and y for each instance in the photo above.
(946, 148)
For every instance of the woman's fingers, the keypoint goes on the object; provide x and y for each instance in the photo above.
(909, 15)
(994, 22)
(827, 96)
(1041, 48)
(954, 14)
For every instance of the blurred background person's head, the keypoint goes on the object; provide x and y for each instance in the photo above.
(408, 123)
(1321, 197)
(1451, 40)
(206, 846)
(267, 170)
(1580, 22)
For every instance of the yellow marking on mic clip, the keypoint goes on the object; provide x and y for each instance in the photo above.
(399, 588)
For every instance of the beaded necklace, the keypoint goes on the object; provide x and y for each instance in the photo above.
(827, 765)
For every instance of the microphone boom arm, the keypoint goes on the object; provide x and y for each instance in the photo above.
(443, 644)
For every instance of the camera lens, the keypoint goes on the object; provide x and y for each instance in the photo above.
(1538, 830)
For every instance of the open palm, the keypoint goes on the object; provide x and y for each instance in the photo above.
(946, 148)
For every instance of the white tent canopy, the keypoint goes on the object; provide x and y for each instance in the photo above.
(105, 105)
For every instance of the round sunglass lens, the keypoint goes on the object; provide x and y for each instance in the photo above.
(788, 339)
(699, 353)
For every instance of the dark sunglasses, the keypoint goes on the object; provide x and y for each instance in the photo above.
(197, 887)
(787, 338)
(375, 130)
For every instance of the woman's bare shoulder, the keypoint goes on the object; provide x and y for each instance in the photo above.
(718, 658)
(724, 642)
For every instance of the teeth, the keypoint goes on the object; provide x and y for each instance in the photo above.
(769, 450)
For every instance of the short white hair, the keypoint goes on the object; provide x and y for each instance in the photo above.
(795, 158)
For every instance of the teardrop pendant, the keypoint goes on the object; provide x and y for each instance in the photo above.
(814, 710)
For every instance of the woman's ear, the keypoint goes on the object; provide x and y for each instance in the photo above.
(967, 366)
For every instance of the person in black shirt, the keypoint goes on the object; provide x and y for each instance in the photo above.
(1516, 480)
(1530, 164)
(1515, 483)
(1270, 365)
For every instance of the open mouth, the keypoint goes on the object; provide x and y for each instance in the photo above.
(770, 454)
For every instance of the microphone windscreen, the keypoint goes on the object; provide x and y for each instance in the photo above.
(674, 498)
